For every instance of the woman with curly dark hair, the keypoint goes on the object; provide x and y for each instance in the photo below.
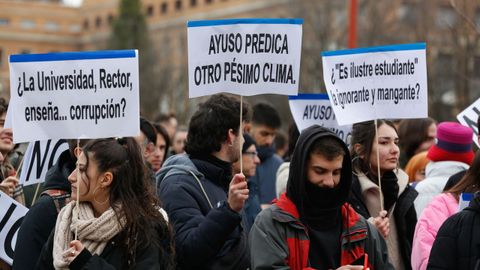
(117, 220)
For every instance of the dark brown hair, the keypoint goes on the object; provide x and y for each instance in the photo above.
(328, 147)
(133, 191)
(470, 182)
(163, 132)
(209, 125)
(412, 133)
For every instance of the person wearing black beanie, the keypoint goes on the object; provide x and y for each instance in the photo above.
(312, 225)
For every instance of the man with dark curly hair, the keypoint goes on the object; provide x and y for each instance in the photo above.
(202, 199)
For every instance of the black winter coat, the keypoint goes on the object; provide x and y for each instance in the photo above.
(40, 220)
(404, 213)
(114, 256)
(457, 245)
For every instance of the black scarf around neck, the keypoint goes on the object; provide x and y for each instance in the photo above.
(214, 169)
(264, 152)
(320, 207)
(390, 190)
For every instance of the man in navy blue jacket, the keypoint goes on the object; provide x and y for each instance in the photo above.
(265, 123)
(202, 199)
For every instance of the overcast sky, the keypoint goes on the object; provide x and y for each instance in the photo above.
(73, 3)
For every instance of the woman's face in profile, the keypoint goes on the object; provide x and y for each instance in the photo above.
(84, 178)
(388, 150)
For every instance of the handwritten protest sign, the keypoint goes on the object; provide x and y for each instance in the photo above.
(244, 56)
(316, 109)
(469, 117)
(74, 95)
(377, 82)
(39, 157)
(11, 216)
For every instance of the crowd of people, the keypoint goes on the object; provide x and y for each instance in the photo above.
(221, 194)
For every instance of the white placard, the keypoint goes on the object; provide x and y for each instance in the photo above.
(316, 109)
(11, 216)
(244, 56)
(74, 95)
(469, 117)
(39, 157)
(377, 82)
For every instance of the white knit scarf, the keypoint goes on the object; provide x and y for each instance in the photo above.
(94, 233)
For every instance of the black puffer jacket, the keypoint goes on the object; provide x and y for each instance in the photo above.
(457, 245)
(208, 235)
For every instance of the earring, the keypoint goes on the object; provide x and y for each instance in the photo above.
(95, 197)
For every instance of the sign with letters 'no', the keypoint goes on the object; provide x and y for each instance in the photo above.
(74, 95)
(11, 216)
(244, 56)
(39, 157)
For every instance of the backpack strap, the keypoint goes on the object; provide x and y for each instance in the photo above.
(60, 197)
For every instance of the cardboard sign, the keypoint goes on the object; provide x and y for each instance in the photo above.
(39, 157)
(469, 117)
(316, 109)
(74, 95)
(377, 82)
(244, 56)
(11, 216)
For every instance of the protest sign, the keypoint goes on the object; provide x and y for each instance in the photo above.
(377, 82)
(11, 216)
(74, 95)
(469, 117)
(39, 157)
(244, 56)
(316, 109)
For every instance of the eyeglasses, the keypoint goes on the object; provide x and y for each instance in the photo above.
(251, 153)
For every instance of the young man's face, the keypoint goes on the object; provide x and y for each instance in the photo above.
(6, 137)
(322, 172)
(263, 135)
(234, 150)
(156, 157)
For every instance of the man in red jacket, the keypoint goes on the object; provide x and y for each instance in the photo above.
(311, 226)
